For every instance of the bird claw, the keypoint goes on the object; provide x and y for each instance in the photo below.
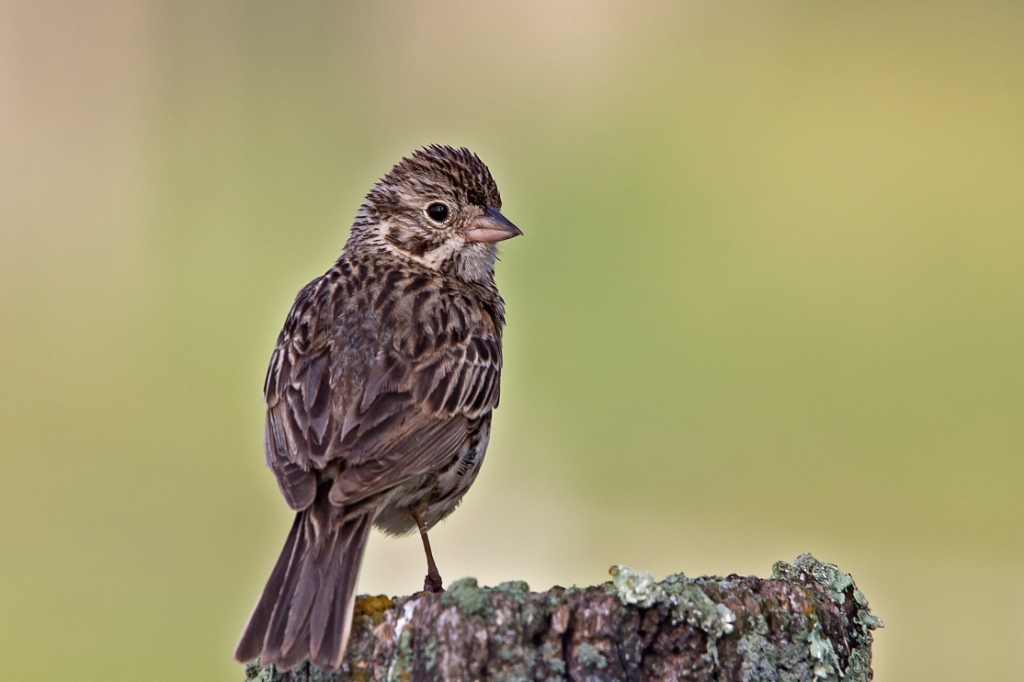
(433, 584)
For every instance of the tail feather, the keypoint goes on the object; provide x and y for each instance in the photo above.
(273, 630)
(334, 607)
(250, 644)
(306, 608)
(321, 609)
(292, 616)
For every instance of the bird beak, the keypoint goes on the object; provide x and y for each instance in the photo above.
(491, 227)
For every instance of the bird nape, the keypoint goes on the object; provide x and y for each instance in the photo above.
(379, 394)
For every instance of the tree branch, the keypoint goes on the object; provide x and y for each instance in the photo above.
(808, 622)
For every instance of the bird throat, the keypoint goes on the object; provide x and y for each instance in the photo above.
(472, 263)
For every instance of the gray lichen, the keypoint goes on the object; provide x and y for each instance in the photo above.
(808, 623)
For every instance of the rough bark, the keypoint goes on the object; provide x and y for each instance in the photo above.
(807, 622)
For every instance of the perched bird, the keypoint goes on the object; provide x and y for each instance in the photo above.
(379, 394)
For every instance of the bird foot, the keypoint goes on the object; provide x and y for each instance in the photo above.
(433, 584)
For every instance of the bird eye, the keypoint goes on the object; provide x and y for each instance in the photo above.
(437, 212)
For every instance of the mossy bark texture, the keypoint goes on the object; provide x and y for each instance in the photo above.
(808, 622)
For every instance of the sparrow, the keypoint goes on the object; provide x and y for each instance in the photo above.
(379, 394)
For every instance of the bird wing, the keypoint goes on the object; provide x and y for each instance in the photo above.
(297, 390)
(409, 414)
(416, 410)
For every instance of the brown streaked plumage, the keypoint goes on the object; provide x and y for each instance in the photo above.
(379, 394)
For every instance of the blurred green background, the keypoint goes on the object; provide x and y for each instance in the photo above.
(770, 300)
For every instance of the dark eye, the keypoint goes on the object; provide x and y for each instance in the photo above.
(437, 212)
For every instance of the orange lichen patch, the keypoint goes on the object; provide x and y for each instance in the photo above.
(811, 608)
(374, 607)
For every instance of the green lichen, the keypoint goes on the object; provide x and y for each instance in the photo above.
(864, 618)
(401, 663)
(868, 622)
(431, 651)
(556, 665)
(636, 587)
(692, 605)
(835, 582)
(254, 673)
(819, 647)
(688, 602)
(590, 655)
(519, 587)
(468, 596)
(809, 657)
(821, 653)
(827, 575)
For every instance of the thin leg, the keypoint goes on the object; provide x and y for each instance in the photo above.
(432, 583)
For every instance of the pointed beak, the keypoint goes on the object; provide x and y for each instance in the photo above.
(491, 227)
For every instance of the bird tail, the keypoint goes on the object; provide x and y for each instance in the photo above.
(306, 608)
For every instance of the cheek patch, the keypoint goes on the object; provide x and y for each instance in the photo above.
(439, 254)
(410, 239)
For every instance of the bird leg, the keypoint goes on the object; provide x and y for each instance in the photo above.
(432, 583)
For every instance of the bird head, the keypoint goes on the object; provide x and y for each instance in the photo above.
(439, 207)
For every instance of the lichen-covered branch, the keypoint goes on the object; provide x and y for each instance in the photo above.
(807, 622)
